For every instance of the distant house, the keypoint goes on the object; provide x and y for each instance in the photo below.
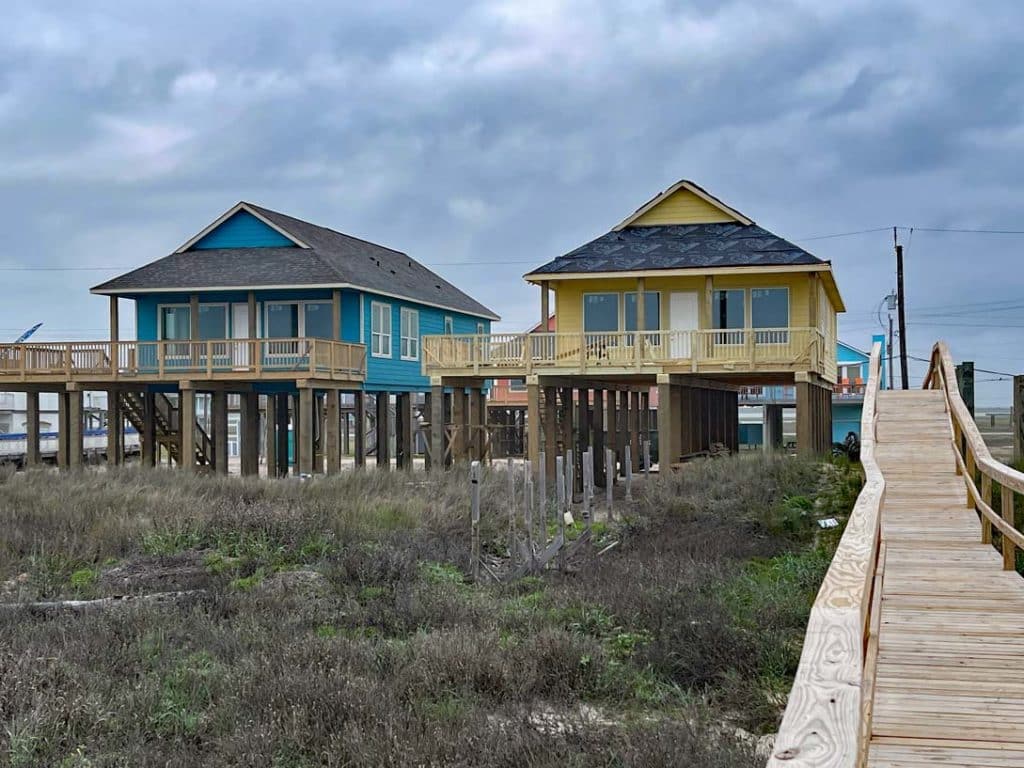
(260, 304)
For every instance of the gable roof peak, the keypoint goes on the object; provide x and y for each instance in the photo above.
(694, 189)
(252, 210)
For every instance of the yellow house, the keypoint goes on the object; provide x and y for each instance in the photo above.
(686, 294)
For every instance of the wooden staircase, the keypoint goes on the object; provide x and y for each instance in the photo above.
(167, 426)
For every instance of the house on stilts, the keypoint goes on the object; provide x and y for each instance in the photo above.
(285, 314)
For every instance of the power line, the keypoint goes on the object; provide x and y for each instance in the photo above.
(842, 234)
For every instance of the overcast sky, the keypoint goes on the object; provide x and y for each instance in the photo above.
(486, 138)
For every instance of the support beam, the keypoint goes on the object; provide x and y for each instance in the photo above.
(550, 430)
(597, 424)
(545, 312)
(813, 418)
(336, 313)
(304, 439)
(669, 449)
(319, 439)
(115, 429)
(249, 432)
(612, 429)
(187, 431)
(383, 431)
(634, 430)
(219, 424)
(771, 433)
(622, 440)
(270, 436)
(282, 435)
(148, 436)
(332, 431)
(565, 419)
(437, 428)
(32, 453)
(252, 330)
(582, 434)
(533, 420)
(476, 423)
(359, 427)
(460, 425)
(76, 438)
(403, 431)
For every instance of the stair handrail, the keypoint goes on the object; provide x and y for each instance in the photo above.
(828, 715)
(973, 458)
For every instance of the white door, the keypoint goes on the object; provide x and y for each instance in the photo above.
(683, 315)
(240, 330)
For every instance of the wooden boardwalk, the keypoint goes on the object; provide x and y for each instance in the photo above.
(914, 652)
(949, 685)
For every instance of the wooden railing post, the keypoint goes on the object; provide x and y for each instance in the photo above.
(1009, 551)
(986, 497)
(209, 358)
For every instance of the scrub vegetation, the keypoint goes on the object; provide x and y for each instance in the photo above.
(331, 622)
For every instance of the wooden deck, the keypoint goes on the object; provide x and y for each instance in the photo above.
(949, 686)
(915, 646)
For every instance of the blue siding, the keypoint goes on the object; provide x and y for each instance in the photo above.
(392, 374)
(243, 230)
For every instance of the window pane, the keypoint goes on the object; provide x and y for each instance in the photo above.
(213, 321)
(727, 309)
(175, 323)
(449, 325)
(652, 311)
(319, 320)
(282, 321)
(601, 312)
(769, 308)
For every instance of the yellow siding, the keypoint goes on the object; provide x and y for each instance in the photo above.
(569, 295)
(683, 207)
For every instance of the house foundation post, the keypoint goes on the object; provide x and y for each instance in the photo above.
(460, 425)
(219, 422)
(597, 423)
(403, 431)
(249, 432)
(475, 441)
(582, 435)
(148, 436)
(533, 420)
(187, 426)
(359, 428)
(33, 457)
(550, 431)
(669, 431)
(304, 439)
(437, 428)
(76, 438)
(270, 435)
(332, 431)
(383, 430)
(115, 428)
(281, 470)
(634, 429)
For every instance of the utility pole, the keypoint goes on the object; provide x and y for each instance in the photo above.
(892, 372)
(901, 297)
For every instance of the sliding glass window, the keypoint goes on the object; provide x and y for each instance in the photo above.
(282, 321)
(213, 321)
(728, 314)
(318, 317)
(652, 314)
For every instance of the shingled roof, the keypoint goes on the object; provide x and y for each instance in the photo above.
(329, 259)
(679, 246)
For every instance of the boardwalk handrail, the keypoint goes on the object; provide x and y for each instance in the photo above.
(973, 458)
(827, 718)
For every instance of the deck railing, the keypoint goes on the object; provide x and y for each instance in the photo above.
(221, 358)
(828, 715)
(974, 461)
(524, 353)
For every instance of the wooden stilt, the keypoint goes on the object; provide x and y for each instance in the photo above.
(332, 431)
(33, 457)
(249, 431)
(187, 432)
(219, 413)
(359, 428)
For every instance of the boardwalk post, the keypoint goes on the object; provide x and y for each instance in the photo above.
(965, 383)
(1017, 418)
(474, 502)
(629, 473)
(1009, 555)
(647, 459)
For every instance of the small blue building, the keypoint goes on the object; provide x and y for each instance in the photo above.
(847, 398)
(261, 303)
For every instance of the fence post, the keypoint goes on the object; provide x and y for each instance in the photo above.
(609, 474)
(542, 497)
(588, 476)
(474, 500)
(647, 459)
(570, 479)
(511, 511)
(629, 474)
(560, 495)
(528, 516)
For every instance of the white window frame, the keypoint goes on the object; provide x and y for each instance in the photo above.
(160, 320)
(481, 329)
(380, 334)
(449, 325)
(409, 345)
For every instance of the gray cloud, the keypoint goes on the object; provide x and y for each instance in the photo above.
(505, 133)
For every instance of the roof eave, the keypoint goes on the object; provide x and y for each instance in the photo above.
(538, 277)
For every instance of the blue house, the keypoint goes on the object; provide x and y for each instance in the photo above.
(261, 303)
(852, 366)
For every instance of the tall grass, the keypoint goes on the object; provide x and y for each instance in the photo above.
(689, 627)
